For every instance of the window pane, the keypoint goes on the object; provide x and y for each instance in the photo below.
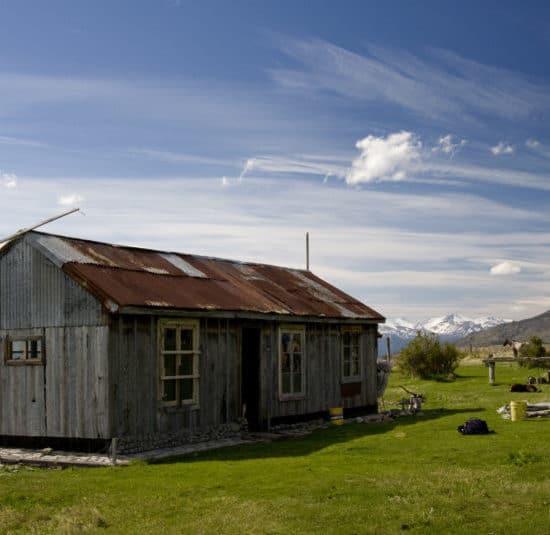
(186, 365)
(18, 346)
(285, 363)
(186, 340)
(170, 365)
(285, 340)
(297, 383)
(347, 368)
(35, 349)
(18, 349)
(355, 340)
(286, 383)
(297, 364)
(297, 343)
(169, 339)
(346, 339)
(355, 369)
(186, 389)
(169, 393)
(346, 353)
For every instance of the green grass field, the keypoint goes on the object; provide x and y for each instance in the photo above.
(417, 474)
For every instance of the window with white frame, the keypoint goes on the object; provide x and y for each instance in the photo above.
(25, 350)
(179, 362)
(351, 355)
(291, 362)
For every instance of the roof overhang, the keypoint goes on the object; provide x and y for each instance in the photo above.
(225, 314)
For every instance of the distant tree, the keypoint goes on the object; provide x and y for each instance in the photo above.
(426, 357)
(534, 349)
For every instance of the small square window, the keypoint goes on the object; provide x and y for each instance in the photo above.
(24, 350)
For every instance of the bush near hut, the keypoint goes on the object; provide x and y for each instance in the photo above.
(426, 357)
(534, 349)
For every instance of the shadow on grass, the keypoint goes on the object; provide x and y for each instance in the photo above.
(316, 441)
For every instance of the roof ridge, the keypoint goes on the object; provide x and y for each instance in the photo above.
(156, 251)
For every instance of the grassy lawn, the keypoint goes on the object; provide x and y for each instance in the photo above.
(417, 474)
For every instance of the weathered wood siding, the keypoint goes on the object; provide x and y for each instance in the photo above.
(67, 396)
(77, 382)
(64, 397)
(323, 353)
(134, 372)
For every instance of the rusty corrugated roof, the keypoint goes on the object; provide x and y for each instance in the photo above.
(132, 277)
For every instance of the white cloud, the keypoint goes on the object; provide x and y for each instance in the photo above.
(8, 180)
(532, 143)
(502, 148)
(505, 268)
(384, 159)
(446, 145)
(70, 200)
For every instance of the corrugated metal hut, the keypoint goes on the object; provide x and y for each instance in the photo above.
(101, 341)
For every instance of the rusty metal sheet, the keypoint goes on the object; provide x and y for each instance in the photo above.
(125, 257)
(129, 276)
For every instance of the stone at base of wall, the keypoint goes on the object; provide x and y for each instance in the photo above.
(135, 444)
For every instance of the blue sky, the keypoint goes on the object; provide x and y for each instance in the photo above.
(410, 139)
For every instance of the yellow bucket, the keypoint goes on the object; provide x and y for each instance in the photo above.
(336, 415)
(518, 410)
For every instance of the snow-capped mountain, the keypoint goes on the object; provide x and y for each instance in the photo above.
(449, 328)
(456, 326)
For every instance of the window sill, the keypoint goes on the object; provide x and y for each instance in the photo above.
(172, 409)
(357, 379)
(27, 362)
(291, 397)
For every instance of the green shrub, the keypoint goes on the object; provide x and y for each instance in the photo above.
(533, 350)
(426, 357)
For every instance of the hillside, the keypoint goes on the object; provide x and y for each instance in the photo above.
(519, 330)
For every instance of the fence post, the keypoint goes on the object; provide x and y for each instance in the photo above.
(492, 366)
(114, 450)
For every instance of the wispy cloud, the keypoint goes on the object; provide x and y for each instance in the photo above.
(15, 141)
(443, 85)
(537, 147)
(502, 148)
(397, 157)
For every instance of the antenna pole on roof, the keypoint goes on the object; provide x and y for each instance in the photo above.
(28, 229)
(307, 251)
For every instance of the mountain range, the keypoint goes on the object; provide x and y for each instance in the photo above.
(518, 330)
(449, 328)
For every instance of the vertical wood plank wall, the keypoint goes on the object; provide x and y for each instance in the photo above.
(134, 371)
(323, 349)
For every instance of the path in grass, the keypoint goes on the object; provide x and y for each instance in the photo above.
(416, 474)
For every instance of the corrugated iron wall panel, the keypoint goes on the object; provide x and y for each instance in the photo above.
(35, 293)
